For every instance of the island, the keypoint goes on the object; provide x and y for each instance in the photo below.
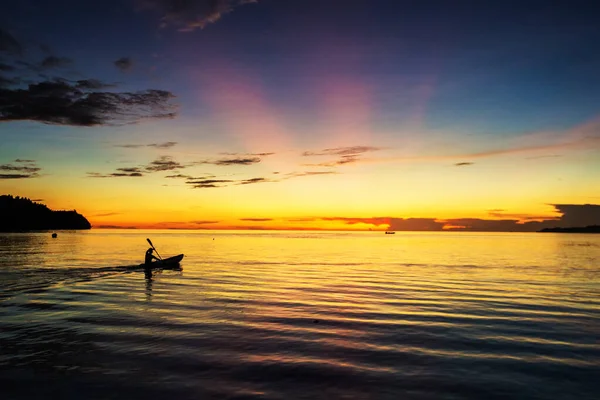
(585, 229)
(18, 214)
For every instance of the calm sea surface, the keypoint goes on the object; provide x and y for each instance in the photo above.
(288, 315)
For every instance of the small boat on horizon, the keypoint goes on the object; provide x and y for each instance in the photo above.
(390, 232)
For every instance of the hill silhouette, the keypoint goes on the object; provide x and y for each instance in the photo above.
(22, 214)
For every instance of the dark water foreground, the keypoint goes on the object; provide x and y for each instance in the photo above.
(284, 316)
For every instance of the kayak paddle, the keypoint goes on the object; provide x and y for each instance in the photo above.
(154, 248)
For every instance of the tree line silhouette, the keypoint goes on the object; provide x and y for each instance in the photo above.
(22, 214)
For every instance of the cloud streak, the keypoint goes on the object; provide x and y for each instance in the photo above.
(55, 62)
(232, 161)
(164, 163)
(347, 155)
(189, 15)
(19, 169)
(165, 145)
(124, 64)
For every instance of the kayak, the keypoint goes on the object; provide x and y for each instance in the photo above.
(166, 263)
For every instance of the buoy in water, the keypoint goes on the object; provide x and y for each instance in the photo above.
(54, 235)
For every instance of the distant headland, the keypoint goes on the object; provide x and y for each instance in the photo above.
(585, 229)
(19, 214)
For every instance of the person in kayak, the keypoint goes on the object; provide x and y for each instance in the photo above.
(149, 257)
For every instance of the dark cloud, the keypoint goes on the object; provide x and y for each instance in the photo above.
(341, 161)
(130, 170)
(572, 215)
(164, 163)
(115, 175)
(62, 103)
(520, 217)
(164, 145)
(6, 67)
(179, 176)
(463, 164)
(347, 155)
(204, 222)
(30, 95)
(342, 151)
(109, 214)
(9, 44)
(15, 176)
(188, 15)
(414, 224)
(256, 219)
(24, 169)
(306, 219)
(92, 84)
(577, 215)
(233, 161)
(253, 180)
(307, 173)
(124, 64)
(544, 156)
(55, 62)
(208, 183)
(6, 82)
(248, 154)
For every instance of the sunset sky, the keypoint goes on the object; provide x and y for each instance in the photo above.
(302, 114)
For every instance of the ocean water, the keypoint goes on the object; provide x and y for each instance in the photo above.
(300, 315)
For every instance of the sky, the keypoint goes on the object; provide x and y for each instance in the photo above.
(302, 114)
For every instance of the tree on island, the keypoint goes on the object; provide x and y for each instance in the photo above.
(22, 214)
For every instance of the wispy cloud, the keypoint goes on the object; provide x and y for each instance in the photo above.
(20, 169)
(253, 180)
(55, 62)
(257, 219)
(190, 15)
(208, 183)
(9, 44)
(347, 155)
(233, 161)
(107, 214)
(463, 164)
(121, 173)
(248, 154)
(179, 176)
(342, 151)
(291, 175)
(164, 163)
(124, 64)
(165, 145)
(341, 161)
